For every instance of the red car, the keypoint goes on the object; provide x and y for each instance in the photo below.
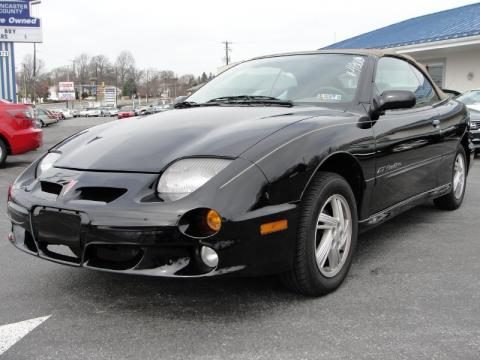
(18, 132)
(126, 112)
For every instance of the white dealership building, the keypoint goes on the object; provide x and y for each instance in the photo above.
(447, 42)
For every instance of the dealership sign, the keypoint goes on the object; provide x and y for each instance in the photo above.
(16, 22)
(66, 86)
(66, 91)
(110, 96)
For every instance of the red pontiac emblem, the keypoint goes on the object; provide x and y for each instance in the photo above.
(71, 184)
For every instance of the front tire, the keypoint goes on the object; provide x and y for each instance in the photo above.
(453, 200)
(326, 237)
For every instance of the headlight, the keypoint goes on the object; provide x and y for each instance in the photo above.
(185, 176)
(47, 162)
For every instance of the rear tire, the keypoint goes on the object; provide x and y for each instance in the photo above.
(454, 198)
(3, 152)
(326, 237)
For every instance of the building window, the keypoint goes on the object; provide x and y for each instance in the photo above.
(437, 72)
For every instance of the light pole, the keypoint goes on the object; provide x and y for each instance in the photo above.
(34, 74)
(73, 69)
(147, 88)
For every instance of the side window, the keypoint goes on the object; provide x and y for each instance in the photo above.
(396, 74)
(425, 93)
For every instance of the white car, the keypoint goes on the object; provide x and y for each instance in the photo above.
(109, 111)
(471, 98)
(67, 113)
(90, 112)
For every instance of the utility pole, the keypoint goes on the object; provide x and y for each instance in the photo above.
(24, 84)
(147, 88)
(34, 73)
(227, 51)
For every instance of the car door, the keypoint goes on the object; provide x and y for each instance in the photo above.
(407, 156)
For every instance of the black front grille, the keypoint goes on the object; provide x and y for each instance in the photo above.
(113, 257)
(55, 231)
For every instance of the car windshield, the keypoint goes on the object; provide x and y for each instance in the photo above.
(309, 79)
(470, 97)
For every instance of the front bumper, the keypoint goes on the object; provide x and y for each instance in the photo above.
(476, 139)
(134, 237)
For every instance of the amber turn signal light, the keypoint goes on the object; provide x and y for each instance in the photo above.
(214, 220)
(273, 227)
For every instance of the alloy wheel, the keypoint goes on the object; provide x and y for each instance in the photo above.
(333, 235)
(459, 176)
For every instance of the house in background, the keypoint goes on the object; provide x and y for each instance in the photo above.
(447, 42)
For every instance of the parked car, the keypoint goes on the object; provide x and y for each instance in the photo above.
(109, 111)
(18, 132)
(161, 108)
(126, 112)
(273, 167)
(66, 113)
(144, 110)
(471, 98)
(55, 113)
(75, 113)
(475, 129)
(45, 117)
(90, 112)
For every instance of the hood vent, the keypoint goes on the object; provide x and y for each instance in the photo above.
(101, 194)
(51, 188)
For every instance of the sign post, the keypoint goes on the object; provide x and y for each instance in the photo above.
(16, 25)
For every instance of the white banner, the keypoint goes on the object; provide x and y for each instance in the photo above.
(66, 96)
(18, 34)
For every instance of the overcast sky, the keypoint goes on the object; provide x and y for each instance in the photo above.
(185, 36)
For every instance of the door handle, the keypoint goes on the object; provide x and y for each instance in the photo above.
(436, 123)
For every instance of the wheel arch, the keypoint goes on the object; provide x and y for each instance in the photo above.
(465, 142)
(7, 144)
(347, 166)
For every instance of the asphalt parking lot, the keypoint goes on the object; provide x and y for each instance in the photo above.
(413, 293)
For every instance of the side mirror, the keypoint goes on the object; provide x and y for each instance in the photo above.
(392, 100)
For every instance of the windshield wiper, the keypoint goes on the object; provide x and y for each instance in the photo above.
(251, 99)
(190, 104)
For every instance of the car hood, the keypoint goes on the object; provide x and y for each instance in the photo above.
(149, 144)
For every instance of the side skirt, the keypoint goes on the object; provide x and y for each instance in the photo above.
(384, 215)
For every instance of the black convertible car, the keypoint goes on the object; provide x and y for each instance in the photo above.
(273, 167)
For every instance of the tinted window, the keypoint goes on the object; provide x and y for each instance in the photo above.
(396, 74)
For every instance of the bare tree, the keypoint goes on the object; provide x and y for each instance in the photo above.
(125, 67)
(100, 67)
(26, 76)
(81, 64)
